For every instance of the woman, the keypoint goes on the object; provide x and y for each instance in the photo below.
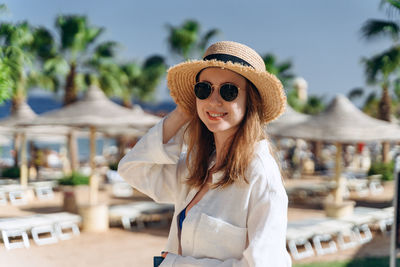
(230, 203)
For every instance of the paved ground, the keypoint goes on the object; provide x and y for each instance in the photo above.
(119, 247)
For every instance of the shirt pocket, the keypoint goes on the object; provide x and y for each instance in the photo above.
(215, 238)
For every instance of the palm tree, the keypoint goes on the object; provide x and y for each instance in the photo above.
(5, 76)
(17, 40)
(69, 55)
(5, 71)
(282, 70)
(186, 40)
(153, 70)
(380, 68)
(128, 79)
(314, 105)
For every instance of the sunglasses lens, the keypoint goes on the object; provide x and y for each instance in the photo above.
(202, 90)
(229, 92)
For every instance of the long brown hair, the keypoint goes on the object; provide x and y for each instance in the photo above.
(240, 148)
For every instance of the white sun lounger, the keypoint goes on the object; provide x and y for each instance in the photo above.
(16, 194)
(361, 223)
(17, 197)
(298, 234)
(11, 230)
(51, 225)
(382, 217)
(21, 226)
(298, 238)
(44, 192)
(63, 221)
(43, 189)
(319, 230)
(132, 212)
(122, 189)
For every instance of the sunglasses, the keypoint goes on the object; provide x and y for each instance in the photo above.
(227, 91)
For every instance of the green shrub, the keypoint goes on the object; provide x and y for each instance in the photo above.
(11, 172)
(74, 179)
(386, 169)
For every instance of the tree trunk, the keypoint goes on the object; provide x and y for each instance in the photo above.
(70, 95)
(16, 102)
(16, 147)
(384, 104)
(19, 96)
(73, 151)
(384, 114)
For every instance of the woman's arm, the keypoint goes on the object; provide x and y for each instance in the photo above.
(173, 122)
(151, 165)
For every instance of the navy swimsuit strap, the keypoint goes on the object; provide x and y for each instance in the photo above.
(182, 217)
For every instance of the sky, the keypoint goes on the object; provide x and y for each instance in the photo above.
(321, 38)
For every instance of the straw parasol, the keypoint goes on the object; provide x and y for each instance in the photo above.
(24, 114)
(290, 117)
(342, 122)
(97, 112)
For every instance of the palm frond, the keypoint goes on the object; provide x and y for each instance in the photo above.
(106, 49)
(379, 67)
(374, 29)
(56, 66)
(43, 44)
(391, 6)
(205, 40)
(355, 93)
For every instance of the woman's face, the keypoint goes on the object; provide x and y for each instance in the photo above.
(222, 117)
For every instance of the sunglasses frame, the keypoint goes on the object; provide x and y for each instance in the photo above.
(219, 91)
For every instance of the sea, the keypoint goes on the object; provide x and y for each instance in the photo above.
(41, 104)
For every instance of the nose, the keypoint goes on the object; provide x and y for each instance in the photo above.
(215, 97)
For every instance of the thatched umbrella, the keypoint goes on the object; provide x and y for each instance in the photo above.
(96, 111)
(22, 114)
(290, 117)
(342, 122)
(10, 126)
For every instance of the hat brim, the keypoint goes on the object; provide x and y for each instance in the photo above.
(181, 79)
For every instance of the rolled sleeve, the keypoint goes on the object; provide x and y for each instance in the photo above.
(152, 167)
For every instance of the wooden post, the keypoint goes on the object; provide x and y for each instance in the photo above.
(94, 180)
(318, 149)
(385, 152)
(16, 148)
(338, 196)
(24, 162)
(73, 150)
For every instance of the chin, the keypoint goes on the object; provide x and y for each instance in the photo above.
(218, 128)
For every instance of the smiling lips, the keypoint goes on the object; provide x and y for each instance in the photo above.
(216, 116)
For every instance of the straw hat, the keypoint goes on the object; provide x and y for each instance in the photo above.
(236, 57)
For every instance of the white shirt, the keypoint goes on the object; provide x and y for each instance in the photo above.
(240, 225)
